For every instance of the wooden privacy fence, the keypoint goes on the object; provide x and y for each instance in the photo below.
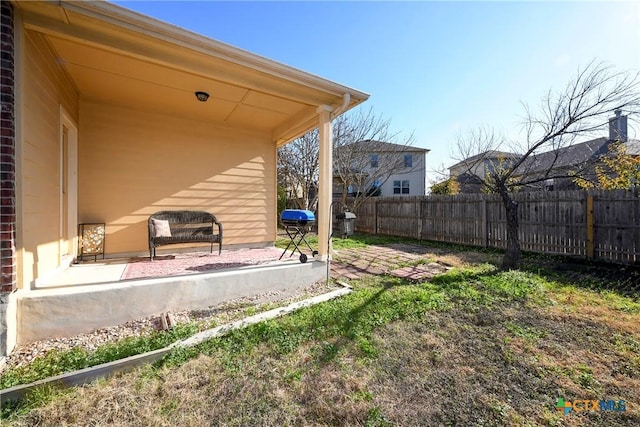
(603, 225)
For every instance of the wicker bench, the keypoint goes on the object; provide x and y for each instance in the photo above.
(171, 227)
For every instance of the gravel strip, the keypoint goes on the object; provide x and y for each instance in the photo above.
(224, 313)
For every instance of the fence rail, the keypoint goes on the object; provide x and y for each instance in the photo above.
(602, 225)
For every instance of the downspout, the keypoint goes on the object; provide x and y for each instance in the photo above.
(346, 99)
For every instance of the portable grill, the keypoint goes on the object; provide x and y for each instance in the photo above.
(296, 223)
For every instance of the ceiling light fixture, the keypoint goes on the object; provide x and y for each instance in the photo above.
(202, 96)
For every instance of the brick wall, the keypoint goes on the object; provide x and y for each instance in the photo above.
(7, 152)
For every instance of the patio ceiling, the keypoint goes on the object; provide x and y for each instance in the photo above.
(117, 56)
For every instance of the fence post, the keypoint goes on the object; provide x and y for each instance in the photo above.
(483, 224)
(375, 216)
(590, 242)
(419, 231)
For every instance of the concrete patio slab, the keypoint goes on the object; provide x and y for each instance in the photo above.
(82, 274)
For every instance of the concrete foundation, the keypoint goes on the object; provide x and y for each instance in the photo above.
(4, 303)
(65, 312)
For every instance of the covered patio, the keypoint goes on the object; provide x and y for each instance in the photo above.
(119, 116)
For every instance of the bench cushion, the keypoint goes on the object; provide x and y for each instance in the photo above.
(161, 228)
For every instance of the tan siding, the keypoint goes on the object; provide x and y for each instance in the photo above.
(46, 87)
(134, 163)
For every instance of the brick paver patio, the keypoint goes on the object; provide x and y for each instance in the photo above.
(406, 261)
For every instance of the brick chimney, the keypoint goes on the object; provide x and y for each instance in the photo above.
(618, 127)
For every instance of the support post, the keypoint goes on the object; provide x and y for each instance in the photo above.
(325, 180)
(421, 216)
(375, 214)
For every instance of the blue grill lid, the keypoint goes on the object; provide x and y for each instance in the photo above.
(297, 215)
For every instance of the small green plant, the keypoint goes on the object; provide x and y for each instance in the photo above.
(584, 377)
(414, 263)
(529, 334)
(362, 396)
(376, 418)
(169, 406)
(294, 376)
(367, 348)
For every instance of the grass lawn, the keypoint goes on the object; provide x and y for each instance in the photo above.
(474, 346)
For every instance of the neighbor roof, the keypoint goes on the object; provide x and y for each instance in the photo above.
(568, 156)
(486, 155)
(370, 145)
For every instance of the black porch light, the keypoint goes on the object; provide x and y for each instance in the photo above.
(202, 96)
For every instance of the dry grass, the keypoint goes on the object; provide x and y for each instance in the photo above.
(488, 354)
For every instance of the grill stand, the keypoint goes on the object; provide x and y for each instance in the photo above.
(297, 232)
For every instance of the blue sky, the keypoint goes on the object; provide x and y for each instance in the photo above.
(432, 68)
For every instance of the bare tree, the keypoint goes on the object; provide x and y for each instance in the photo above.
(298, 170)
(580, 109)
(365, 154)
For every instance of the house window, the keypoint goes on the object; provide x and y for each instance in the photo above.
(374, 160)
(548, 184)
(400, 187)
(408, 161)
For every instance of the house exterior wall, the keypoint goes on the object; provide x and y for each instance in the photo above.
(46, 89)
(416, 176)
(134, 163)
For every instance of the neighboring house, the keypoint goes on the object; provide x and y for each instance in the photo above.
(105, 118)
(295, 196)
(381, 168)
(470, 172)
(578, 158)
(558, 164)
